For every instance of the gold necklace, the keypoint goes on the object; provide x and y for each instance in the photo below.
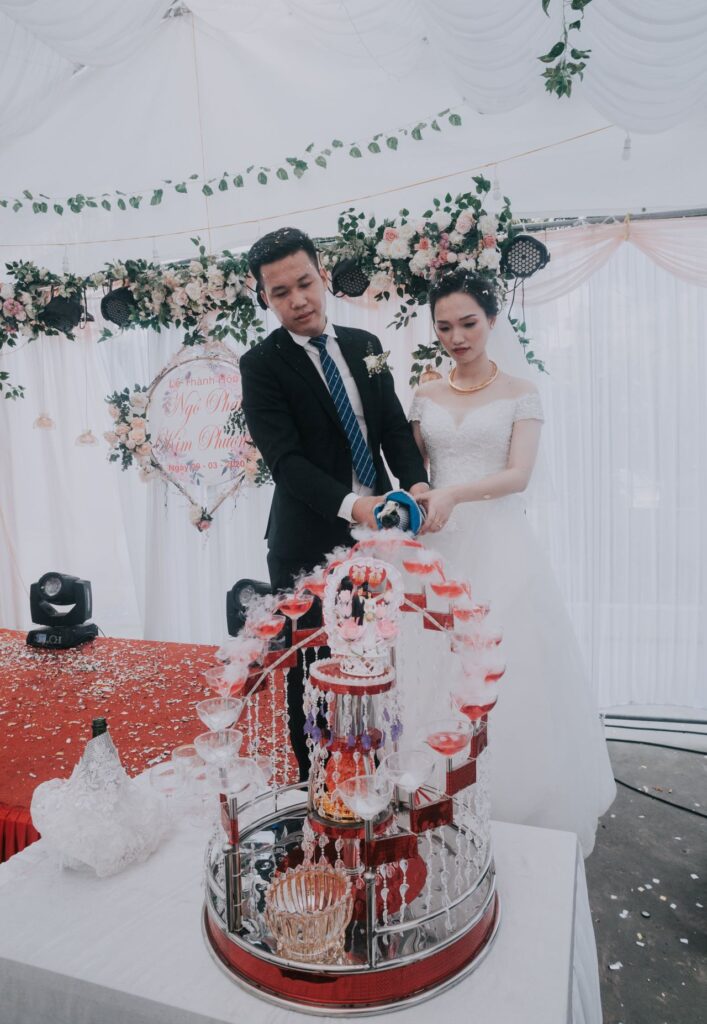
(476, 387)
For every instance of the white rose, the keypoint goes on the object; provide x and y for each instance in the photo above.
(399, 249)
(467, 263)
(488, 224)
(452, 257)
(119, 270)
(215, 276)
(420, 226)
(456, 238)
(7, 291)
(137, 436)
(489, 259)
(195, 267)
(137, 421)
(442, 220)
(419, 261)
(381, 282)
(229, 294)
(145, 449)
(193, 290)
(383, 248)
(465, 222)
(129, 443)
(406, 231)
(139, 401)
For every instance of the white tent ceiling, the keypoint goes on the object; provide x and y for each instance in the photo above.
(231, 83)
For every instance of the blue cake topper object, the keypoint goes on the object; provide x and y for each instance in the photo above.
(399, 510)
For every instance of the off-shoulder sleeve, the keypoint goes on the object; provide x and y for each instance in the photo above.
(529, 407)
(415, 412)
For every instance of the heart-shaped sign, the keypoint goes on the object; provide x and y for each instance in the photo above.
(189, 404)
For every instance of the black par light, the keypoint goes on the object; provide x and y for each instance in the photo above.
(117, 306)
(523, 256)
(61, 605)
(347, 278)
(237, 600)
(62, 313)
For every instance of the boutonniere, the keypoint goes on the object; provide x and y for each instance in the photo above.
(377, 363)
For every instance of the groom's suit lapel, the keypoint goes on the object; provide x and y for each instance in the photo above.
(296, 357)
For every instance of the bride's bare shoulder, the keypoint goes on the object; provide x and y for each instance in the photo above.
(431, 389)
(516, 386)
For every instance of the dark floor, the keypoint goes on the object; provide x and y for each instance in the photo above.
(647, 882)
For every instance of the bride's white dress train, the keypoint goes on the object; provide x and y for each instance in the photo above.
(550, 761)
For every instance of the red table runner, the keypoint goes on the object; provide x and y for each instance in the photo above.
(145, 689)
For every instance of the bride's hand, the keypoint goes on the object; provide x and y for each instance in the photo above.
(438, 507)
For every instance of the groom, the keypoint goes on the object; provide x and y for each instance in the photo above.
(321, 422)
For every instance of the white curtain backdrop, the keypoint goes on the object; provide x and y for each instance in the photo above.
(625, 438)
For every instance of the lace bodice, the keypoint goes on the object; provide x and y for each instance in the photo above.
(476, 446)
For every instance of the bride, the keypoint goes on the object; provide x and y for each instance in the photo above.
(479, 429)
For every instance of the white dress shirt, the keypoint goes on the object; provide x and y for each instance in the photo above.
(358, 490)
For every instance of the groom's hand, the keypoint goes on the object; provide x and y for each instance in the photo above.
(362, 510)
(418, 489)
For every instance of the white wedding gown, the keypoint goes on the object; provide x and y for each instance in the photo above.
(550, 765)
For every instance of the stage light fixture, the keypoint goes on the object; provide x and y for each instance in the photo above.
(117, 305)
(63, 314)
(60, 629)
(237, 600)
(523, 256)
(347, 278)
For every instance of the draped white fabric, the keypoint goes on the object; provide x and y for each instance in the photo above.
(677, 245)
(646, 71)
(43, 44)
(241, 82)
(625, 439)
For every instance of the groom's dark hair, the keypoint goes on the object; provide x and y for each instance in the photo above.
(454, 281)
(275, 246)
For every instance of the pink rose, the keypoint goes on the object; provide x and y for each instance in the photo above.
(15, 309)
(137, 421)
(390, 235)
(465, 222)
(424, 243)
(489, 241)
(122, 429)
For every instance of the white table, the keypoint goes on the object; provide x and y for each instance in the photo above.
(75, 949)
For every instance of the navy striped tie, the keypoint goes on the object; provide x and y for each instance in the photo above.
(360, 454)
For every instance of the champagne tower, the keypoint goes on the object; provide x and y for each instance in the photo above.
(372, 886)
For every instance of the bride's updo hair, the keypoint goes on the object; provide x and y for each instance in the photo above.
(466, 281)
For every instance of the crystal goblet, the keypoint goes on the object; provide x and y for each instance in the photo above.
(219, 712)
(409, 769)
(366, 795)
(219, 747)
(448, 736)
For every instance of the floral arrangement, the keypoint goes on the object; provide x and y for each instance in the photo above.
(129, 439)
(184, 295)
(22, 303)
(401, 256)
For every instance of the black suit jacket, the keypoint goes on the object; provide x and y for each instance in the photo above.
(293, 421)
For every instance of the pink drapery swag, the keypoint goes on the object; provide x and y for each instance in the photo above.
(678, 245)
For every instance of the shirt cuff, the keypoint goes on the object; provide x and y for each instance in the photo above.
(346, 507)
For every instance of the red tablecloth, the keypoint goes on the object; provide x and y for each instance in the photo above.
(146, 690)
